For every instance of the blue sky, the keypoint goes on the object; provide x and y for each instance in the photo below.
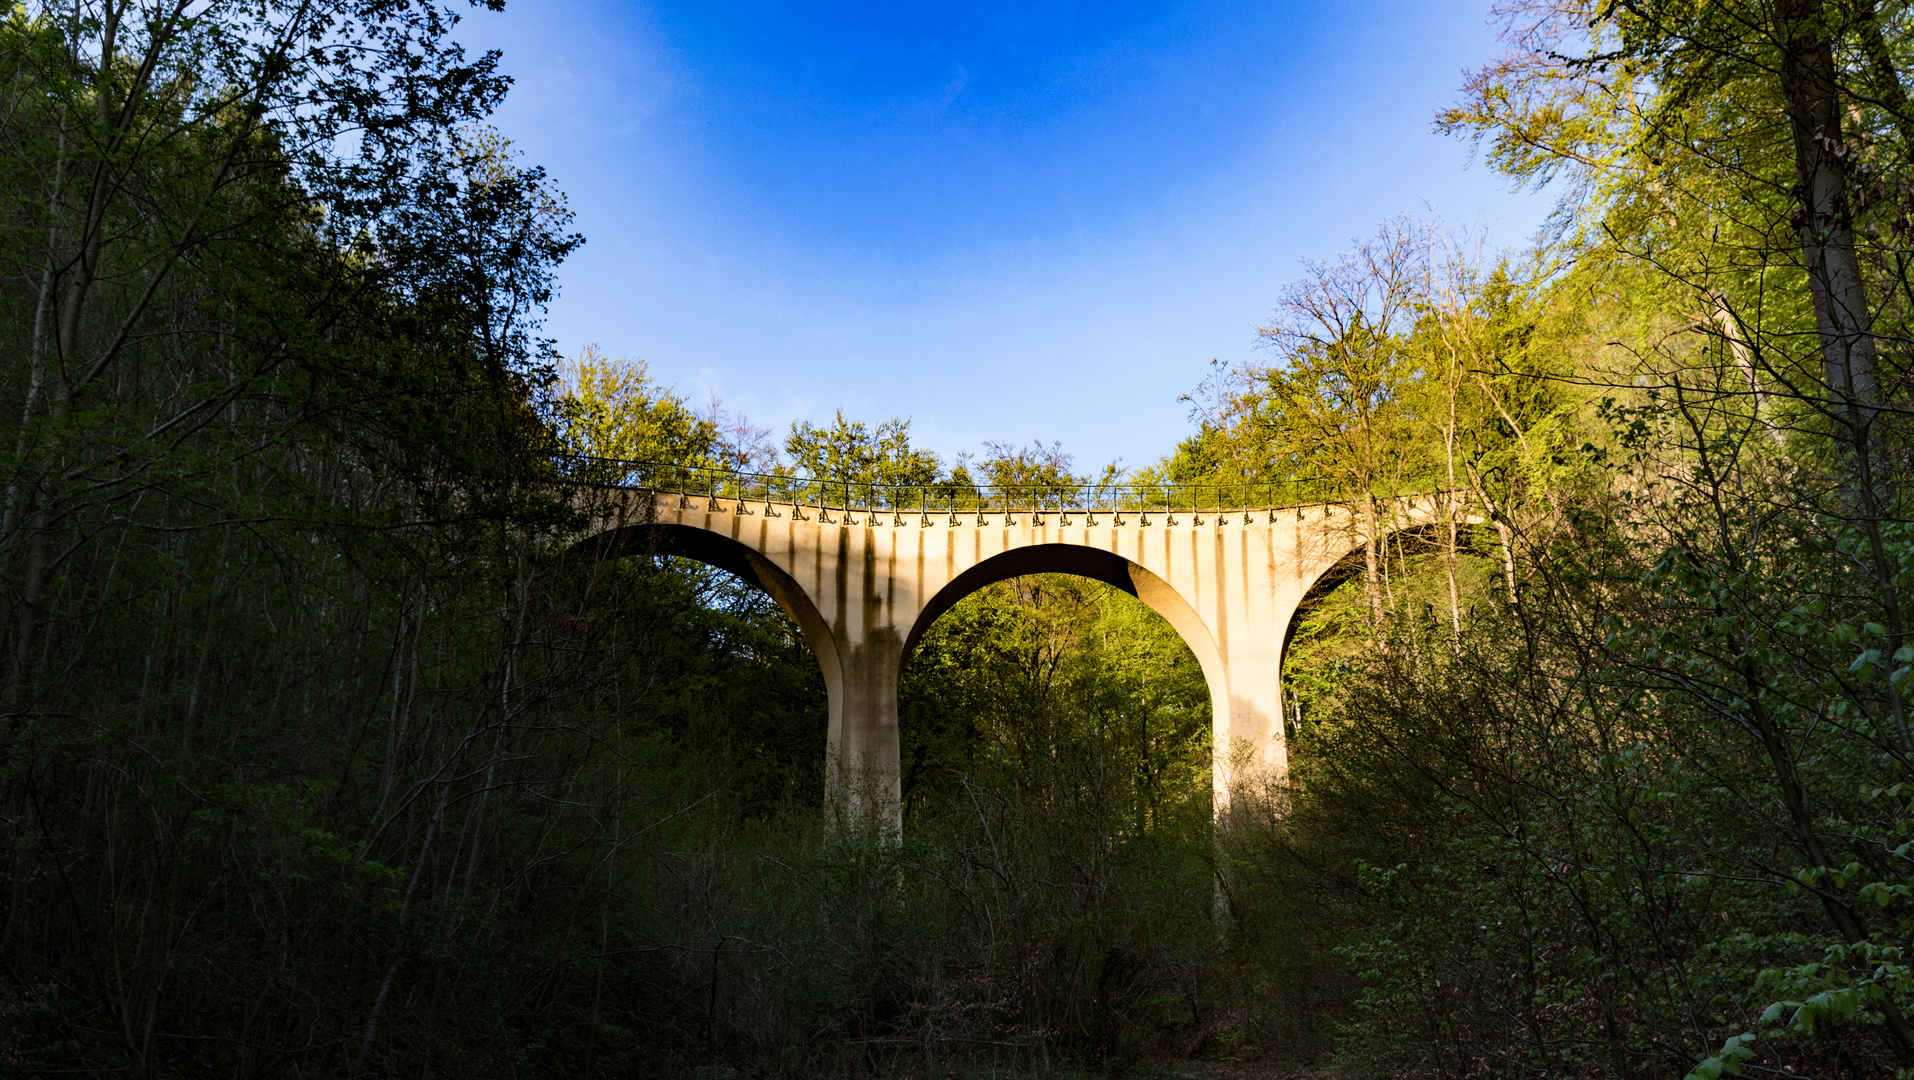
(1005, 221)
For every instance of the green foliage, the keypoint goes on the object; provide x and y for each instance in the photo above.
(612, 409)
(851, 452)
(1027, 674)
(1644, 805)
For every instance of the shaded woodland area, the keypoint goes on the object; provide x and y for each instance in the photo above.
(322, 754)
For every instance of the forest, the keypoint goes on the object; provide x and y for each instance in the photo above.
(324, 754)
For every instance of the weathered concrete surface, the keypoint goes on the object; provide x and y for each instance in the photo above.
(864, 585)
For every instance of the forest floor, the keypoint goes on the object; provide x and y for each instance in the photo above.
(1246, 1070)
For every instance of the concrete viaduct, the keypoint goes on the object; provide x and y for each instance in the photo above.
(864, 585)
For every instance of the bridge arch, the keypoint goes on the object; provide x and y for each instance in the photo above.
(1076, 559)
(1334, 574)
(727, 554)
(1099, 565)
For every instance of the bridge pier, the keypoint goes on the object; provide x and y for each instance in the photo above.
(863, 777)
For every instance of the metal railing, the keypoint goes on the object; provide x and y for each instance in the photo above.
(940, 496)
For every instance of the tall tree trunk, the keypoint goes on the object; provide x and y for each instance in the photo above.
(1448, 507)
(1834, 277)
(1827, 228)
(1372, 570)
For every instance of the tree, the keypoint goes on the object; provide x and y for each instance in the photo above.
(613, 414)
(871, 464)
(1339, 400)
(1685, 82)
(228, 183)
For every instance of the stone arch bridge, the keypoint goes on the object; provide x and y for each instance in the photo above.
(865, 571)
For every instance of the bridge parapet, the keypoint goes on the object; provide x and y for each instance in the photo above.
(960, 494)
